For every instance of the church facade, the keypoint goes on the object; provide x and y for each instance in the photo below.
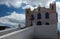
(42, 16)
(45, 19)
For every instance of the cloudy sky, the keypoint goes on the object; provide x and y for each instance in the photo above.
(12, 12)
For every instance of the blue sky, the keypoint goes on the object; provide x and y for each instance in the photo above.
(12, 12)
(5, 9)
(58, 0)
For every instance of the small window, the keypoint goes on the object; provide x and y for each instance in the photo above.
(52, 8)
(47, 23)
(32, 17)
(39, 9)
(39, 23)
(38, 16)
(47, 15)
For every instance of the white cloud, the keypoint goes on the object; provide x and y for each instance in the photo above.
(58, 6)
(14, 3)
(17, 3)
(28, 6)
(17, 16)
(42, 3)
(58, 10)
(14, 19)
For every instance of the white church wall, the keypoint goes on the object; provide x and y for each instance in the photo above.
(20, 34)
(45, 31)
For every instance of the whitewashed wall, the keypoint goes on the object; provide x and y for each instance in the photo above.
(45, 31)
(20, 34)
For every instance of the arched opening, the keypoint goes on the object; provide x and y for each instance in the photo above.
(39, 23)
(39, 9)
(32, 17)
(47, 23)
(47, 15)
(38, 16)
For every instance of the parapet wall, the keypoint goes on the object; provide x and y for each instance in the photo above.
(3, 32)
(46, 31)
(26, 33)
(43, 31)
